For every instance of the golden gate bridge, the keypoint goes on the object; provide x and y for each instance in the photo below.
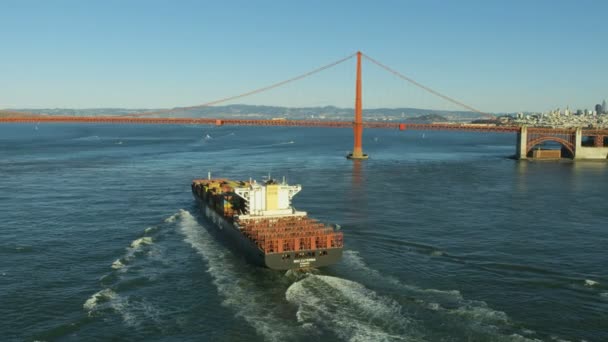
(527, 137)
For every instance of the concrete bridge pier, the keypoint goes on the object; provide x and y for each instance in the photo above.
(570, 140)
(522, 143)
(599, 151)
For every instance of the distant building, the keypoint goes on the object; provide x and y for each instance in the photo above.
(598, 108)
(604, 107)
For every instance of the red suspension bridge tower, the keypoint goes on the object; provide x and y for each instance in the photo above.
(358, 123)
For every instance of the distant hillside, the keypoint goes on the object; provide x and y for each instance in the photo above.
(252, 111)
(429, 118)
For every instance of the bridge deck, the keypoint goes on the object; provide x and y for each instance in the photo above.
(250, 122)
(286, 123)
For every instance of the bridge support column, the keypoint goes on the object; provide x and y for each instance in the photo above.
(578, 143)
(358, 124)
(589, 152)
(522, 143)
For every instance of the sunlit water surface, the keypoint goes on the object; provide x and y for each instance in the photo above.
(446, 238)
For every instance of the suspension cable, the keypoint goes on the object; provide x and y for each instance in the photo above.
(252, 92)
(445, 97)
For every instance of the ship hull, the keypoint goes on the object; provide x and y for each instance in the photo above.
(301, 259)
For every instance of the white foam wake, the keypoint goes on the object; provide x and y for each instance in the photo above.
(138, 244)
(469, 316)
(172, 218)
(100, 297)
(590, 283)
(146, 240)
(350, 310)
(237, 289)
(117, 264)
(130, 252)
(132, 312)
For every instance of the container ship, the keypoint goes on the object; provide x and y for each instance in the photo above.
(260, 222)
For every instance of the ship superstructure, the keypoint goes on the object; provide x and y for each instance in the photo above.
(260, 219)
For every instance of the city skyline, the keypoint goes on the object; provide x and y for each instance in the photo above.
(510, 57)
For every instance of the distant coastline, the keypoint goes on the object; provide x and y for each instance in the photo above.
(404, 114)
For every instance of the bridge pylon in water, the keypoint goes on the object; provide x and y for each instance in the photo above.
(358, 123)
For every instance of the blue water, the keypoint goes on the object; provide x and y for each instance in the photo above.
(446, 238)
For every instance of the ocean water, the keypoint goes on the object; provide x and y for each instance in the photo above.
(446, 239)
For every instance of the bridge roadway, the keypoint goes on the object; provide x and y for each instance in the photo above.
(250, 122)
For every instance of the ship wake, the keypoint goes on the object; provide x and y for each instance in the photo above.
(133, 312)
(450, 313)
(128, 273)
(296, 305)
(349, 310)
(369, 306)
(243, 291)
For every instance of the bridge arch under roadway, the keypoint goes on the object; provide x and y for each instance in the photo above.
(565, 143)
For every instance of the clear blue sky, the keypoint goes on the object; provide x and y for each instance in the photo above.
(494, 55)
